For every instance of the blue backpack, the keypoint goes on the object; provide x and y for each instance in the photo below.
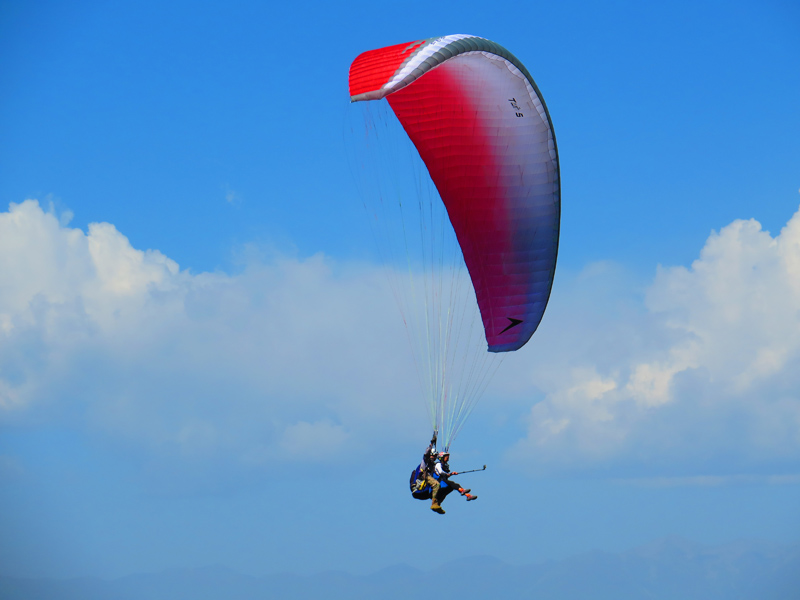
(420, 488)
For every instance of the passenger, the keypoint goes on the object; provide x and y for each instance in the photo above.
(442, 473)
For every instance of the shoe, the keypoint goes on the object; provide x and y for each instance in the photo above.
(471, 497)
(463, 491)
(437, 509)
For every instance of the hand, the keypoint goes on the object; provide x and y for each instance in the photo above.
(452, 474)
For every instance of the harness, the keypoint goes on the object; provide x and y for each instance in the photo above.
(420, 488)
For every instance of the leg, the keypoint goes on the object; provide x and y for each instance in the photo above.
(454, 485)
(435, 486)
(461, 490)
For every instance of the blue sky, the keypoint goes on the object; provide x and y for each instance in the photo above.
(184, 378)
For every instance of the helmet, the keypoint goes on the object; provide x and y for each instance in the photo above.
(443, 454)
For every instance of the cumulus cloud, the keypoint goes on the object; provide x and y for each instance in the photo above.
(281, 360)
(298, 359)
(709, 373)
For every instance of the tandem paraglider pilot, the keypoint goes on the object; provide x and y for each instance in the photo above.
(432, 478)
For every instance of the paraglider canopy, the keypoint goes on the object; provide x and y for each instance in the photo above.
(480, 125)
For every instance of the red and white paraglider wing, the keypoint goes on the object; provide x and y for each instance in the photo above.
(480, 125)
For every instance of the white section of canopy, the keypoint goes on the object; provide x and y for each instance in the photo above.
(415, 61)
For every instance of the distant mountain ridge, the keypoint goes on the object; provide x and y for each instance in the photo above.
(667, 569)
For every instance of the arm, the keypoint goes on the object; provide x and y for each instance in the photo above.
(427, 455)
(430, 448)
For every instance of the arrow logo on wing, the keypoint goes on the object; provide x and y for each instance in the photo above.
(514, 323)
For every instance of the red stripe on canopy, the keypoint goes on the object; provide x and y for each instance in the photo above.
(372, 70)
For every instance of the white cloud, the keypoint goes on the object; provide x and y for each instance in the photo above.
(305, 359)
(709, 373)
(94, 330)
